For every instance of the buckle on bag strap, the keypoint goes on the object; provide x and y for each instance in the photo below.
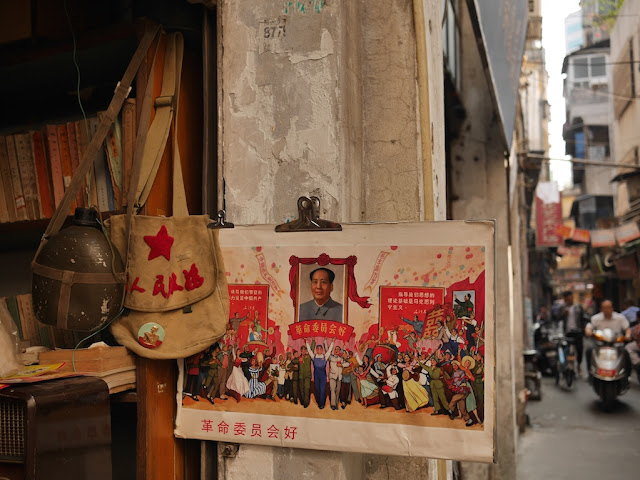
(163, 101)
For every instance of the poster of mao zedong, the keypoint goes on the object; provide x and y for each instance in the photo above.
(376, 339)
(321, 292)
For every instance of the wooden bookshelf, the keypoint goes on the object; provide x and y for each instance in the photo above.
(39, 81)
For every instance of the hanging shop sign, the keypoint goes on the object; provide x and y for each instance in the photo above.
(378, 338)
(548, 215)
(564, 231)
(605, 237)
(627, 232)
(581, 235)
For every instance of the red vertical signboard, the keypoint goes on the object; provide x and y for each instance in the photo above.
(548, 215)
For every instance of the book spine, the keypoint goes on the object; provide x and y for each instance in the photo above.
(65, 159)
(113, 147)
(26, 164)
(21, 206)
(101, 172)
(53, 149)
(4, 211)
(42, 173)
(128, 144)
(7, 186)
(75, 157)
(30, 325)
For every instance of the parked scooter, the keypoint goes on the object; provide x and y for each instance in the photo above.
(565, 360)
(532, 375)
(547, 349)
(608, 371)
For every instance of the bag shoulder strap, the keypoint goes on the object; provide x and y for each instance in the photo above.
(120, 95)
(150, 148)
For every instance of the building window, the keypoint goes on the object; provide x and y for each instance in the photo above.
(579, 145)
(598, 66)
(581, 67)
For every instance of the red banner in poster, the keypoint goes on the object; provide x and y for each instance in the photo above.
(548, 218)
(398, 302)
(320, 328)
(438, 314)
(403, 309)
(248, 306)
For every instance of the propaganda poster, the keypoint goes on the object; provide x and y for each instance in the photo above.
(376, 339)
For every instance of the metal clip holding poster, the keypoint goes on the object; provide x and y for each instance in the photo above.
(309, 219)
(220, 222)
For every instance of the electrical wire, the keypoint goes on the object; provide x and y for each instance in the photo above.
(585, 161)
(84, 114)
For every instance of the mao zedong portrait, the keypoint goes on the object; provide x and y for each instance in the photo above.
(322, 307)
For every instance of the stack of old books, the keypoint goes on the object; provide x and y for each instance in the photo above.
(115, 365)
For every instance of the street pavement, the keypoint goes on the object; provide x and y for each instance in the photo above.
(571, 437)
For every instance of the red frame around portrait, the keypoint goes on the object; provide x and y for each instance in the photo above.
(350, 288)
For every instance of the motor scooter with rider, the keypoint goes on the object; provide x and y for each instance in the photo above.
(608, 362)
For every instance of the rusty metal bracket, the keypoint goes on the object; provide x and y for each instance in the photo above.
(309, 219)
(230, 450)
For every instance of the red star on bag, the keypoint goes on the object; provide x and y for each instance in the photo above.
(160, 244)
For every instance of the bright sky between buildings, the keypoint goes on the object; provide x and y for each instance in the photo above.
(553, 14)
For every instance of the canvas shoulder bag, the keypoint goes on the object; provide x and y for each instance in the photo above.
(176, 299)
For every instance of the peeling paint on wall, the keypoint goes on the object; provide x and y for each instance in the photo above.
(282, 135)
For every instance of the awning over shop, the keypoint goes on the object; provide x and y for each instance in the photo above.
(625, 176)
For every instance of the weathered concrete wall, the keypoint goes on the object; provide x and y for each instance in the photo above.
(322, 109)
(624, 130)
(329, 108)
(479, 180)
(392, 162)
(281, 103)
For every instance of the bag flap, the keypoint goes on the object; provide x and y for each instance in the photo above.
(171, 261)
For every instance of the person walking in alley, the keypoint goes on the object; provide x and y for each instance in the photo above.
(573, 325)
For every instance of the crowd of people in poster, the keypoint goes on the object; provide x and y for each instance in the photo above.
(427, 361)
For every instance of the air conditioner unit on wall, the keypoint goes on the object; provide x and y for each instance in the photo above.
(56, 429)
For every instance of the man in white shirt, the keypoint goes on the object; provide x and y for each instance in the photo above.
(607, 318)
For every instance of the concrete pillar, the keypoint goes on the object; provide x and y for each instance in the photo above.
(323, 98)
